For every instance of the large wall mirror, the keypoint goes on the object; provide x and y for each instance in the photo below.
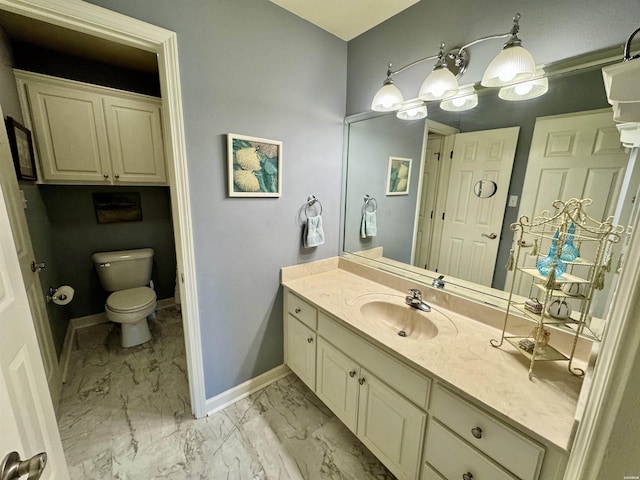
(422, 233)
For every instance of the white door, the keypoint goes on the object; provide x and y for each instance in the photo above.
(15, 207)
(426, 215)
(472, 225)
(572, 156)
(27, 420)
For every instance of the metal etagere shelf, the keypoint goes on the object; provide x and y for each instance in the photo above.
(569, 223)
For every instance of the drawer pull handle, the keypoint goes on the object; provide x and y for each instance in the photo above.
(361, 381)
(467, 476)
(310, 339)
(476, 432)
(352, 373)
(298, 310)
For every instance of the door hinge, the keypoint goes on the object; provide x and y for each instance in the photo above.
(182, 277)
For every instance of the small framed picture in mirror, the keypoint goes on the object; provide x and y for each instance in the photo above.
(399, 176)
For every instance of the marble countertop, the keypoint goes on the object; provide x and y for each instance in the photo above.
(461, 357)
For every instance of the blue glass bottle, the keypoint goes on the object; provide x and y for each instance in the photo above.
(569, 251)
(544, 264)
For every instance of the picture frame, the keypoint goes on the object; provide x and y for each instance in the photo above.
(21, 145)
(254, 166)
(399, 176)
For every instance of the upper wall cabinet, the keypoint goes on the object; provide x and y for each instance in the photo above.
(90, 135)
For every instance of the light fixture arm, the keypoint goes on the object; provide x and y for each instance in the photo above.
(627, 47)
(513, 33)
(432, 57)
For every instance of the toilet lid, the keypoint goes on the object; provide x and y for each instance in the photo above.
(131, 299)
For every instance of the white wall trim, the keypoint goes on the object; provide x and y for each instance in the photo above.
(100, 22)
(231, 396)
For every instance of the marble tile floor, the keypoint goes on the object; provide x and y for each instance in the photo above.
(125, 414)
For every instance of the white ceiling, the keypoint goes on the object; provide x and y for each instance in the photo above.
(346, 19)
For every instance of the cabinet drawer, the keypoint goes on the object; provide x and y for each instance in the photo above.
(429, 473)
(453, 458)
(303, 311)
(514, 451)
(397, 375)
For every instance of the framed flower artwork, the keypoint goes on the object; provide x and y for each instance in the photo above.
(255, 166)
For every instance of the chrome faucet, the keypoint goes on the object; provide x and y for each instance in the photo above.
(415, 300)
(438, 282)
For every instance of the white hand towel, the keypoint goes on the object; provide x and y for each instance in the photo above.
(313, 233)
(369, 225)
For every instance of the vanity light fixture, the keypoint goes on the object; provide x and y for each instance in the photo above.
(621, 85)
(526, 90)
(412, 110)
(513, 64)
(466, 99)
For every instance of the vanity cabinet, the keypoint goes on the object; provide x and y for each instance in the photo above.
(419, 428)
(478, 444)
(300, 335)
(91, 135)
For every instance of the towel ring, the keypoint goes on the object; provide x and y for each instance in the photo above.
(311, 201)
(370, 202)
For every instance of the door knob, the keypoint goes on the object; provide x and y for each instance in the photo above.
(492, 236)
(36, 267)
(12, 468)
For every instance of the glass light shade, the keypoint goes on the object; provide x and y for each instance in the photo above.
(440, 84)
(511, 65)
(526, 90)
(388, 99)
(466, 99)
(412, 110)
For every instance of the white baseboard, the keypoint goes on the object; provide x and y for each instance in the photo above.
(231, 396)
(89, 321)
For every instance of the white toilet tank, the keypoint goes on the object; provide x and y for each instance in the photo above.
(124, 269)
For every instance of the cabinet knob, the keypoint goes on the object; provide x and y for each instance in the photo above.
(476, 432)
(361, 380)
(310, 339)
(117, 176)
(352, 373)
(105, 175)
(467, 476)
(298, 310)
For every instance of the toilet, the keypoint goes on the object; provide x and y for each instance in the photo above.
(127, 273)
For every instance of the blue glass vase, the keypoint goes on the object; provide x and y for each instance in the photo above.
(544, 264)
(569, 251)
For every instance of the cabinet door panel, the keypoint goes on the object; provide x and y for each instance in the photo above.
(70, 134)
(301, 351)
(135, 140)
(390, 426)
(337, 383)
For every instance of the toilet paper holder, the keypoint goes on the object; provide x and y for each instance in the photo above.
(52, 295)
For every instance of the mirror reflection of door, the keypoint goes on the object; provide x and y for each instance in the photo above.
(471, 225)
(573, 156)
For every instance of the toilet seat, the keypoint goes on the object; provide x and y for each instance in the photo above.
(131, 299)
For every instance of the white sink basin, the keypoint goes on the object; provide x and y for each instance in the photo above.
(394, 316)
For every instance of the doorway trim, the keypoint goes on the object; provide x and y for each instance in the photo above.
(106, 24)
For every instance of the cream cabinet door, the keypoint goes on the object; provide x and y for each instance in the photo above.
(134, 131)
(301, 350)
(70, 134)
(390, 426)
(337, 383)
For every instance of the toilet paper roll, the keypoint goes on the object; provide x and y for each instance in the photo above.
(63, 295)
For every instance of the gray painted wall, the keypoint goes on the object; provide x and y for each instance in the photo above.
(551, 30)
(371, 143)
(249, 67)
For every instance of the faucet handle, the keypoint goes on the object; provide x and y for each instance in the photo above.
(415, 293)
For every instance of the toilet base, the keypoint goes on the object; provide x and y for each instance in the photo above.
(135, 333)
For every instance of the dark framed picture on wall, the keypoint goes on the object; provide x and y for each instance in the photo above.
(21, 150)
(255, 166)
